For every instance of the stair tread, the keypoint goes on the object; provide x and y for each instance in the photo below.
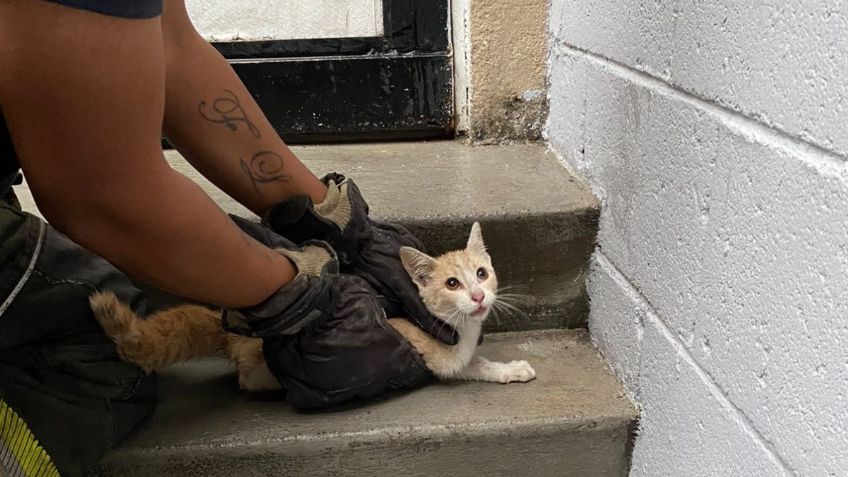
(440, 179)
(201, 408)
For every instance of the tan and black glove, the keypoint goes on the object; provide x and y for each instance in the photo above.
(366, 248)
(326, 337)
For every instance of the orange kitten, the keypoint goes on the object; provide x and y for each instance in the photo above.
(458, 287)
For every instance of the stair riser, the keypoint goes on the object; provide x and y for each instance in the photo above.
(543, 258)
(597, 449)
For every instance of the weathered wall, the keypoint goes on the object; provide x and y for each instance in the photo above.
(500, 51)
(227, 20)
(506, 61)
(715, 136)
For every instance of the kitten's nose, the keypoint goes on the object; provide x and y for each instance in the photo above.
(478, 296)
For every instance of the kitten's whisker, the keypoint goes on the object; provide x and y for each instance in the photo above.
(506, 308)
(501, 313)
(503, 306)
(433, 327)
(499, 309)
(442, 327)
(508, 287)
(513, 296)
(508, 305)
(510, 298)
(448, 320)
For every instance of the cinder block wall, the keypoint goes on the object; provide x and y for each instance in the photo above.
(716, 135)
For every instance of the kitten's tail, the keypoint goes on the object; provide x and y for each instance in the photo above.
(178, 334)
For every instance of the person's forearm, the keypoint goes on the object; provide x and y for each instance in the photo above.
(83, 97)
(213, 121)
(165, 231)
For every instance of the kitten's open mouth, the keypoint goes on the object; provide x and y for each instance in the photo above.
(479, 311)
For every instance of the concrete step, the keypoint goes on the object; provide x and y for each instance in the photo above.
(538, 221)
(573, 420)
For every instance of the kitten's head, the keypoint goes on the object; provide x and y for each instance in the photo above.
(456, 286)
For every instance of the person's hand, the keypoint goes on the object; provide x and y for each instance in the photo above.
(326, 337)
(366, 248)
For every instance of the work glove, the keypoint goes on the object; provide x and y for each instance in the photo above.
(326, 337)
(366, 248)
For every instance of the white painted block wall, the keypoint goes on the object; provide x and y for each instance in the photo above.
(716, 135)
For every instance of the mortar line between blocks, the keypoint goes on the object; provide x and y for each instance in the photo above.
(822, 159)
(713, 387)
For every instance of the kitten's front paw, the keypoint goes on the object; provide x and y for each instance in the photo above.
(258, 379)
(516, 372)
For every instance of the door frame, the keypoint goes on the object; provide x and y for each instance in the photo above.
(396, 86)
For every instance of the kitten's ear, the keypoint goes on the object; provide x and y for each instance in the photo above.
(418, 265)
(475, 240)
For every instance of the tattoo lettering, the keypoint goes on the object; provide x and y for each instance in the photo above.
(227, 110)
(263, 168)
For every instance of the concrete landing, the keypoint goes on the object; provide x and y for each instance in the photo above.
(573, 420)
(538, 221)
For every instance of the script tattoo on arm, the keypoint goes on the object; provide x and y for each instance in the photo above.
(227, 110)
(263, 168)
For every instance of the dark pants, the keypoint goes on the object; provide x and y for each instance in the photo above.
(58, 371)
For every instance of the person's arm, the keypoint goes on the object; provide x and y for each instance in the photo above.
(214, 122)
(83, 95)
(217, 126)
(160, 227)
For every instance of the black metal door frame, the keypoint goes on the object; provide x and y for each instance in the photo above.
(398, 86)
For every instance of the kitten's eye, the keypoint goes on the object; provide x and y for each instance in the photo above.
(482, 274)
(452, 283)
